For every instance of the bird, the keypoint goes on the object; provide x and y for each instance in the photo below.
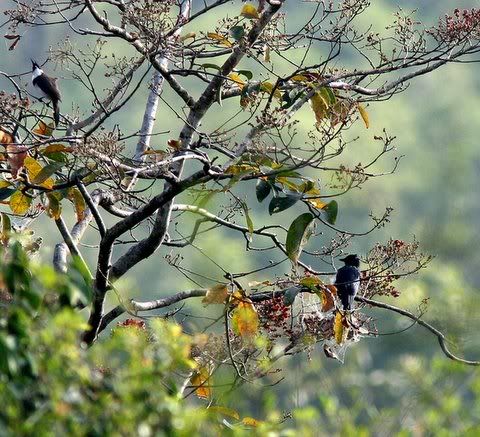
(347, 280)
(48, 87)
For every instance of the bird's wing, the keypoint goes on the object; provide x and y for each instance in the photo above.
(48, 86)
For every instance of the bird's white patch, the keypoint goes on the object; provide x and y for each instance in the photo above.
(37, 72)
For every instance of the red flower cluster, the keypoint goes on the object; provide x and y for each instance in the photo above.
(132, 323)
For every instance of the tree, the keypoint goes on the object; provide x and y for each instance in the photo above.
(236, 91)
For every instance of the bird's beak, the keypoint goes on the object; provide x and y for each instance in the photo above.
(34, 64)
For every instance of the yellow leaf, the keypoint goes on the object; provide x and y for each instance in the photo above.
(240, 169)
(319, 106)
(267, 87)
(161, 153)
(235, 77)
(4, 184)
(299, 78)
(220, 38)
(225, 411)
(19, 203)
(245, 320)
(76, 197)
(249, 11)
(33, 169)
(200, 381)
(317, 203)
(250, 421)
(338, 327)
(364, 115)
(311, 282)
(216, 294)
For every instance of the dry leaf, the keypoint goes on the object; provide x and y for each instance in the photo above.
(217, 294)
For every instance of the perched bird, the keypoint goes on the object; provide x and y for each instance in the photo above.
(348, 280)
(48, 88)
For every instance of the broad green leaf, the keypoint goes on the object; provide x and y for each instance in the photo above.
(5, 193)
(298, 234)
(279, 204)
(249, 11)
(237, 32)
(46, 172)
(328, 95)
(54, 208)
(19, 203)
(311, 282)
(331, 211)
(262, 190)
(247, 73)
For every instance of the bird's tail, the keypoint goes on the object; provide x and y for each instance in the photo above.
(56, 112)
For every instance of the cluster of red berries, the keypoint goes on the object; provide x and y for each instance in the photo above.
(274, 315)
(463, 23)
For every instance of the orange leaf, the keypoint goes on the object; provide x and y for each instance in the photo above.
(245, 320)
(200, 381)
(44, 129)
(5, 138)
(174, 144)
(328, 302)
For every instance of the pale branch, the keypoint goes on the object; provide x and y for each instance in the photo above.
(440, 335)
(136, 306)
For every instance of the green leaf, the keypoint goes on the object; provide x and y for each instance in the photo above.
(237, 32)
(5, 193)
(298, 234)
(327, 93)
(247, 73)
(262, 190)
(46, 172)
(279, 204)
(331, 211)
(209, 65)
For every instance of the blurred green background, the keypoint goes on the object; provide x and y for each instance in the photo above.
(394, 382)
